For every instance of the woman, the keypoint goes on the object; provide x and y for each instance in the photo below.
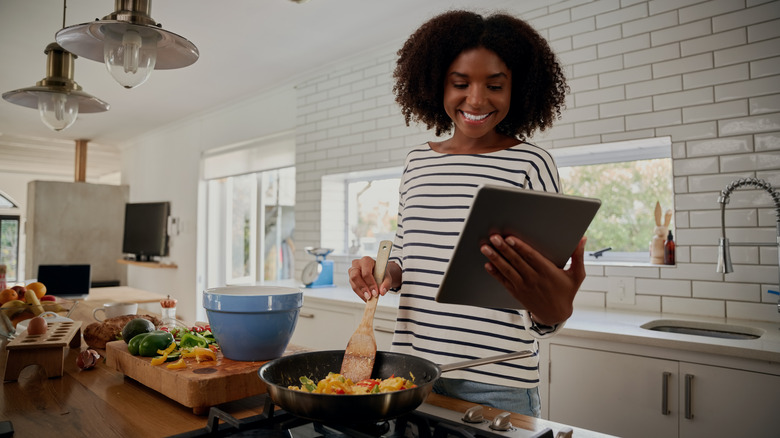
(491, 81)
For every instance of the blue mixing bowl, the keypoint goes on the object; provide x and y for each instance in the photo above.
(252, 323)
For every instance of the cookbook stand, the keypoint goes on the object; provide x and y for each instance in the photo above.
(46, 350)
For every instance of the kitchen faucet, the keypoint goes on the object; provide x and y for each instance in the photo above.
(724, 257)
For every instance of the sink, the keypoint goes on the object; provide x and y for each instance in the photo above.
(708, 329)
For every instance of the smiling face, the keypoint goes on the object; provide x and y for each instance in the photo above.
(477, 93)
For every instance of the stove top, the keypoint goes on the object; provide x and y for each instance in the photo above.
(427, 421)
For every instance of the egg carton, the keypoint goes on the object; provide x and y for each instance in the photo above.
(46, 350)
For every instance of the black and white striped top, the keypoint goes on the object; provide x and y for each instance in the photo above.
(435, 194)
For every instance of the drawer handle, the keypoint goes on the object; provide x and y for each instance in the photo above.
(384, 330)
(665, 393)
(688, 396)
(306, 315)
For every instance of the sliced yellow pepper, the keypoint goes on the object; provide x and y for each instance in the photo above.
(169, 349)
(199, 353)
(177, 365)
(202, 354)
(160, 359)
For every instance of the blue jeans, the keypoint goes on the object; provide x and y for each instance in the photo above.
(519, 400)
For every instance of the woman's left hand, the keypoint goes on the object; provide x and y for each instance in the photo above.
(544, 289)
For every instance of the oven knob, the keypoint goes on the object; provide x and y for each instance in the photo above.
(501, 422)
(473, 415)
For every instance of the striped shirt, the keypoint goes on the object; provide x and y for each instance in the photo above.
(436, 191)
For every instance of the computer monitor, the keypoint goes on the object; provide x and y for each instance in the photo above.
(68, 281)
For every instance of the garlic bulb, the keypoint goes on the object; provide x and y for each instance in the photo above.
(87, 359)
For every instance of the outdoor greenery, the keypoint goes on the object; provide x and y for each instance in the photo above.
(628, 192)
(9, 245)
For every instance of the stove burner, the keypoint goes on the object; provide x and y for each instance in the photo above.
(425, 422)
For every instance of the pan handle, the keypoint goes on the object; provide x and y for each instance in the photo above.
(485, 360)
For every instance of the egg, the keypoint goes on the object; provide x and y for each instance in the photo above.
(37, 326)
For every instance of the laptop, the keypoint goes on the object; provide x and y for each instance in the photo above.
(66, 281)
(551, 223)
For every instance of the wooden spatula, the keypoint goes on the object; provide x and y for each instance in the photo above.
(361, 350)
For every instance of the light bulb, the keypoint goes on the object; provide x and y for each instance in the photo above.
(129, 57)
(58, 110)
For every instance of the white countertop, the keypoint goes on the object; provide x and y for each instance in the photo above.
(625, 326)
(621, 326)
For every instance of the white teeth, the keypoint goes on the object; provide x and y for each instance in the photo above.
(474, 117)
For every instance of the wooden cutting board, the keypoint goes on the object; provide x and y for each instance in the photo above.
(200, 385)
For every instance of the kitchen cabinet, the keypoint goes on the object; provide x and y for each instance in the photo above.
(632, 395)
(328, 324)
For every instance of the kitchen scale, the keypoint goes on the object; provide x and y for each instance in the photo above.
(318, 273)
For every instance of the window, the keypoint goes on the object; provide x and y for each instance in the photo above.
(359, 210)
(373, 213)
(9, 247)
(629, 177)
(5, 202)
(250, 226)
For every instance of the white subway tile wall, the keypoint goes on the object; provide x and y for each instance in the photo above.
(706, 73)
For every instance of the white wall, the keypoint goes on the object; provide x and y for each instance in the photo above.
(165, 166)
(705, 73)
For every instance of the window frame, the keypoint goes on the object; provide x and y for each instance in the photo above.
(218, 231)
(615, 152)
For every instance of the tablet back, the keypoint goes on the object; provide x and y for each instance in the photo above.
(551, 223)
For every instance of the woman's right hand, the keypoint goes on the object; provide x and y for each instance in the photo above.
(361, 278)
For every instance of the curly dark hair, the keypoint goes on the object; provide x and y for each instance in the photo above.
(538, 83)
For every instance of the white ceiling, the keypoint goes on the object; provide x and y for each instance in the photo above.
(246, 47)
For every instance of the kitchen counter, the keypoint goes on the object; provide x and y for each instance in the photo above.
(102, 402)
(624, 326)
(123, 294)
(621, 326)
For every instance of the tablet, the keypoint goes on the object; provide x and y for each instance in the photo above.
(551, 223)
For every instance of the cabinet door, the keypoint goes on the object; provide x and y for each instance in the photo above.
(383, 332)
(323, 329)
(727, 402)
(617, 394)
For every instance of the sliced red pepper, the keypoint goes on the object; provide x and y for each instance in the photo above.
(368, 383)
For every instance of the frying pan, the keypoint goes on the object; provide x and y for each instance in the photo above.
(280, 373)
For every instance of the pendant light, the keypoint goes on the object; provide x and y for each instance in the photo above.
(58, 97)
(129, 42)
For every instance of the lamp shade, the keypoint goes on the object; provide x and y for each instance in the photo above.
(57, 96)
(129, 42)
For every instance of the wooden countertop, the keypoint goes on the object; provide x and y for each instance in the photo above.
(123, 294)
(101, 402)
